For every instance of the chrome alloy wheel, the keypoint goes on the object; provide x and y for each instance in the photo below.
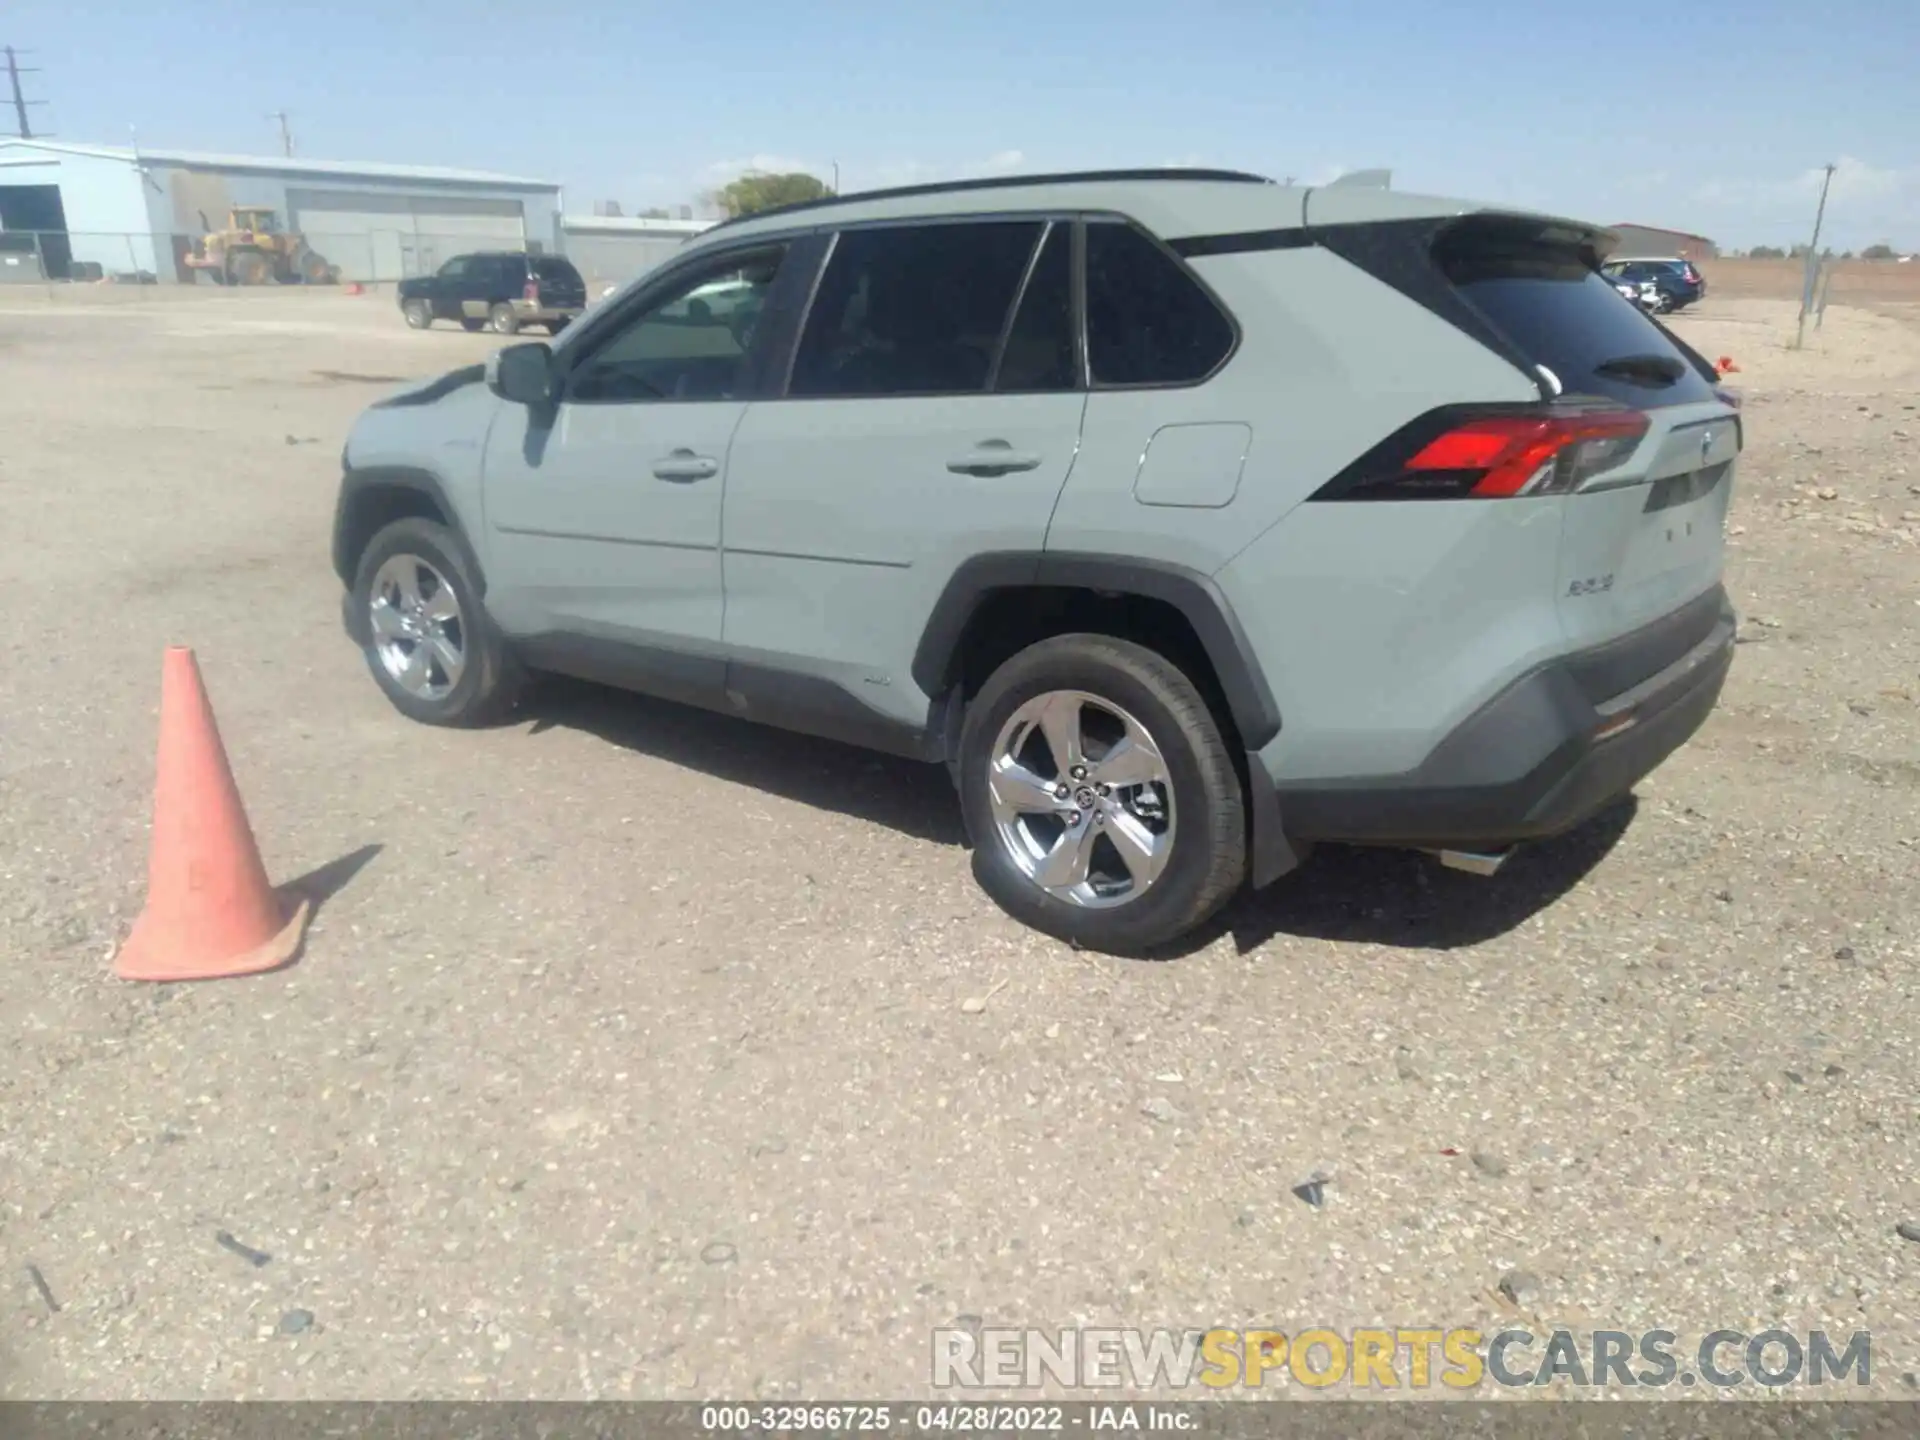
(1081, 799)
(417, 628)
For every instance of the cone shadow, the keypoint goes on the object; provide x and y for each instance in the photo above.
(322, 883)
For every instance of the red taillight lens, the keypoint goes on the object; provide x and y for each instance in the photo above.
(532, 293)
(1525, 455)
(1540, 451)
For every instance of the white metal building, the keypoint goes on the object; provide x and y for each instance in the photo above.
(609, 250)
(134, 212)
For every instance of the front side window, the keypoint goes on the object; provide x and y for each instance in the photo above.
(912, 310)
(692, 344)
(1148, 320)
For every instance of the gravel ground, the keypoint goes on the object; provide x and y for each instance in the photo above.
(627, 1056)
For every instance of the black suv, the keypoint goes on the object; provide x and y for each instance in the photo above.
(498, 291)
(1678, 283)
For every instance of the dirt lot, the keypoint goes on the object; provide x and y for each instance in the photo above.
(1867, 284)
(627, 1055)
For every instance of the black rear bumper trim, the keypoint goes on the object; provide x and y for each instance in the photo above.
(1526, 765)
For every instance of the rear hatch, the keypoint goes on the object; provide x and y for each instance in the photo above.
(1643, 527)
(560, 284)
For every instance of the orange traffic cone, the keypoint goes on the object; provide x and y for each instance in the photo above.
(1726, 366)
(210, 911)
(354, 288)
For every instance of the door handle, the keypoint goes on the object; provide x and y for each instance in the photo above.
(685, 465)
(993, 457)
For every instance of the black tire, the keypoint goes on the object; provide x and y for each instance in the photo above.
(250, 267)
(418, 313)
(554, 327)
(1209, 857)
(471, 326)
(502, 321)
(491, 679)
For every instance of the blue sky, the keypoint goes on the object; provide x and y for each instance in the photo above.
(1708, 117)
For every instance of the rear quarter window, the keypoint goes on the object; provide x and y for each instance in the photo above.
(1148, 320)
(552, 267)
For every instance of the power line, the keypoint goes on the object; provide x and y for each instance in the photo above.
(23, 126)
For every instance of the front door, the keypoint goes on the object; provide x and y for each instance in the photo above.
(446, 291)
(603, 513)
(932, 414)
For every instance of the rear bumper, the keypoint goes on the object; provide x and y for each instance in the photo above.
(528, 313)
(1554, 748)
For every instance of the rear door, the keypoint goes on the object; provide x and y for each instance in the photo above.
(477, 287)
(932, 414)
(1640, 539)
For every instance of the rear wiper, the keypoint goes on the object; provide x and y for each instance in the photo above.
(1661, 369)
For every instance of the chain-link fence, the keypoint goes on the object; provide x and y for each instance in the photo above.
(368, 257)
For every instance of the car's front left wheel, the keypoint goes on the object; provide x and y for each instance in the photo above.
(1100, 796)
(426, 635)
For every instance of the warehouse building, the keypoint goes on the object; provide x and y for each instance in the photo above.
(1653, 243)
(609, 250)
(97, 210)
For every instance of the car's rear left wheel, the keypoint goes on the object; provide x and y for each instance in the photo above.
(1100, 796)
(418, 313)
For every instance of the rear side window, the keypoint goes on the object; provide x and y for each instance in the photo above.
(1559, 312)
(1148, 320)
(1040, 353)
(912, 310)
(552, 267)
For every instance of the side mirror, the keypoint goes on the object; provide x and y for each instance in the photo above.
(522, 373)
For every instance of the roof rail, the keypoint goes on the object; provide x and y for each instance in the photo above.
(945, 187)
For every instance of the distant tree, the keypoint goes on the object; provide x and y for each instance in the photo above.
(1879, 252)
(753, 193)
(1846, 254)
(655, 212)
(1766, 252)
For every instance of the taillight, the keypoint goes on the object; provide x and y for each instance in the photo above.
(1456, 455)
(532, 293)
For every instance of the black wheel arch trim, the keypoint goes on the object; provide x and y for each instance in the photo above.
(357, 482)
(1255, 713)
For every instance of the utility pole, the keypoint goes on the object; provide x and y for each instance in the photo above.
(20, 102)
(286, 135)
(1813, 261)
(836, 177)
